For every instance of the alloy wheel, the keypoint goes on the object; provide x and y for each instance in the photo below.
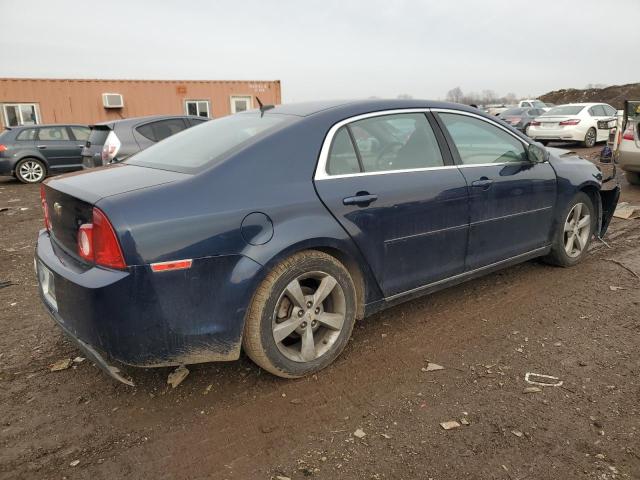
(577, 229)
(309, 316)
(32, 171)
(591, 138)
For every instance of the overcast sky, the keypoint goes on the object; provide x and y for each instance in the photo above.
(323, 49)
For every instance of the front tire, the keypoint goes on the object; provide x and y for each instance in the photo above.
(573, 234)
(632, 177)
(30, 170)
(590, 138)
(301, 316)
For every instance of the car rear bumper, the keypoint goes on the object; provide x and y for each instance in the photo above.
(7, 165)
(629, 157)
(558, 134)
(147, 319)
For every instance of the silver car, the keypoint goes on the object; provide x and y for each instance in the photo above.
(629, 149)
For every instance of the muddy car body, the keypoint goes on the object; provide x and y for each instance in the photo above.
(304, 218)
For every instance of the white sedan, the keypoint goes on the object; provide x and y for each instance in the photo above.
(574, 122)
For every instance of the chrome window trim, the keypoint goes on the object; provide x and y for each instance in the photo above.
(321, 167)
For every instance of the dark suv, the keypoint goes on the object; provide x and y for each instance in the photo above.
(116, 140)
(30, 153)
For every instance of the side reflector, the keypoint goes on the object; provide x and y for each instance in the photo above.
(176, 265)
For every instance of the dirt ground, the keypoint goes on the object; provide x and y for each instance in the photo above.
(234, 421)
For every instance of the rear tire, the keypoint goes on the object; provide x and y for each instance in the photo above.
(301, 316)
(30, 170)
(632, 177)
(590, 138)
(573, 233)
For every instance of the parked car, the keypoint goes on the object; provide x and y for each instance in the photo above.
(629, 149)
(520, 118)
(496, 110)
(117, 140)
(275, 229)
(533, 103)
(30, 153)
(574, 122)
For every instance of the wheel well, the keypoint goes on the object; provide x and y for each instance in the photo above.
(355, 272)
(594, 194)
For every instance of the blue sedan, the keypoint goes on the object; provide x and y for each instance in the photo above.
(274, 230)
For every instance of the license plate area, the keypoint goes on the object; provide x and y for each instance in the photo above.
(47, 286)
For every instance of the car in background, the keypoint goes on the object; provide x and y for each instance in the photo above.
(116, 140)
(629, 148)
(272, 230)
(533, 103)
(574, 122)
(520, 118)
(497, 109)
(30, 153)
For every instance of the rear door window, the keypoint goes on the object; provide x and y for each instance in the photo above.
(479, 142)
(396, 142)
(27, 135)
(161, 129)
(50, 134)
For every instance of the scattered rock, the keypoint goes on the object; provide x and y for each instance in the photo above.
(208, 389)
(295, 401)
(465, 422)
(614, 288)
(532, 390)
(359, 433)
(176, 377)
(433, 367)
(79, 360)
(557, 344)
(450, 425)
(268, 428)
(282, 477)
(75, 463)
(60, 365)
(517, 433)
(384, 435)
(519, 350)
(600, 456)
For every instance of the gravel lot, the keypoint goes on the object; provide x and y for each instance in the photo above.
(233, 421)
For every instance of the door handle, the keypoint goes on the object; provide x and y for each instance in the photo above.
(484, 183)
(362, 199)
(42, 147)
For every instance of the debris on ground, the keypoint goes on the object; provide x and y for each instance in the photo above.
(7, 283)
(465, 422)
(282, 477)
(628, 269)
(79, 360)
(176, 377)
(60, 365)
(208, 389)
(295, 401)
(517, 433)
(432, 367)
(75, 463)
(542, 380)
(615, 288)
(384, 435)
(359, 433)
(532, 390)
(450, 425)
(626, 211)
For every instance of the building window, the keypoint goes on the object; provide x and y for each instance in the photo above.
(241, 103)
(199, 108)
(16, 114)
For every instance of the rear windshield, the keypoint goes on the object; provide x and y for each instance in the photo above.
(206, 144)
(98, 136)
(538, 104)
(512, 111)
(565, 110)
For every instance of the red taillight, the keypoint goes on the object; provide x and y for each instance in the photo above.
(628, 133)
(97, 242)
(574, 121)
(3, 148)
(535, 123)
(45, 208)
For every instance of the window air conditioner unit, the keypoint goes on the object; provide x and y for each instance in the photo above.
(112, 100)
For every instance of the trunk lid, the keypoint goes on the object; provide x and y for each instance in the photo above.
(70, 198)
(92, 151)
(553, 121)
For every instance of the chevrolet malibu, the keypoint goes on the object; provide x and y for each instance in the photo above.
(273, 230)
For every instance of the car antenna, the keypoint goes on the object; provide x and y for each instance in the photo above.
(263, 107)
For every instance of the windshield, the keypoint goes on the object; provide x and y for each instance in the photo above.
(565, 110)
(206, 144)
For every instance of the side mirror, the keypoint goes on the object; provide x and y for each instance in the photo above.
(537, 153)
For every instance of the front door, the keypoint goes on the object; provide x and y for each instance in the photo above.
(56, 145)
(398, 196)
(511, 199)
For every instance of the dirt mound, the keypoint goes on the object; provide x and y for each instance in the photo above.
(614, 95)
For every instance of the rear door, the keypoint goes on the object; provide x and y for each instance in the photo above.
(56, 144)
(511, 199)
(387, 180)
